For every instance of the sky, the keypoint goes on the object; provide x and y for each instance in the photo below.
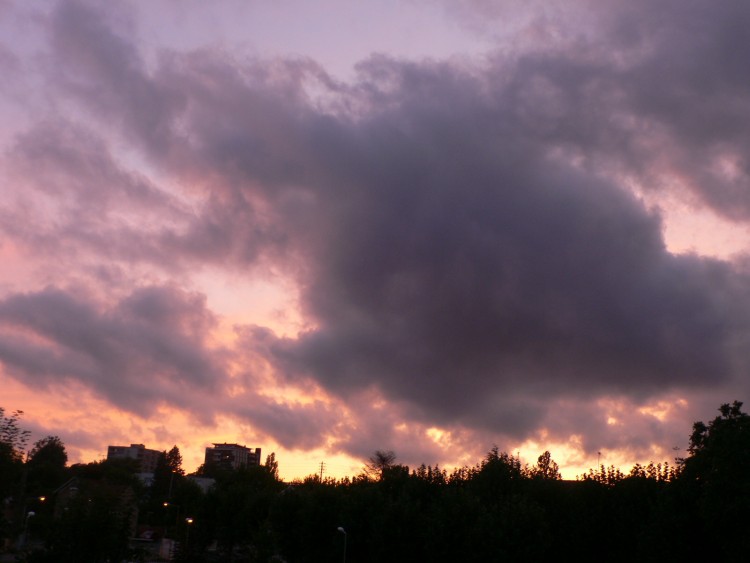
(328, 228)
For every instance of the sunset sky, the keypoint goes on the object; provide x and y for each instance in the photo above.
(326, 228)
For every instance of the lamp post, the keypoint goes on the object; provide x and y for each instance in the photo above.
(167, 506)
(189, 522)
(30, 514)
(340, 529)
(38, 501)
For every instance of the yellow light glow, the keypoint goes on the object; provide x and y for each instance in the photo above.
(662, 409)
(435, 434)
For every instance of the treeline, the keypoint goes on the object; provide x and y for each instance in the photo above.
(497, 510)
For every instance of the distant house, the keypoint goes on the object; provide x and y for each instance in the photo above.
(146, 458)
(232, 456)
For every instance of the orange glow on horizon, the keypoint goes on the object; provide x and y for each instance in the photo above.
(88, 424)
(75, 414)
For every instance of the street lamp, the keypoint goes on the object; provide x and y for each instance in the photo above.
(30, 514)
(340, 529)
(189, 522)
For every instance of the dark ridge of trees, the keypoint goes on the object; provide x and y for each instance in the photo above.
(496, 510)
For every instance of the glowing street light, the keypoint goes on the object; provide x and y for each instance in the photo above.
(340, 529)
(189, 522)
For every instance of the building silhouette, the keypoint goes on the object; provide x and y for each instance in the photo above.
(147, 459)
(231, 456)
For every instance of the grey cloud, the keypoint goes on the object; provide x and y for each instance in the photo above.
(464, 269)
(72, 195)
(657, 91)
(151, 347)
(629, 429)
(103, 68)
(464, 266)
(76, 198)
(293, 425)
(388, 427)
(81, 438)
(463, 237)
(67, 162)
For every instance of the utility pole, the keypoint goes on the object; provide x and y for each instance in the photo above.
(322, 466)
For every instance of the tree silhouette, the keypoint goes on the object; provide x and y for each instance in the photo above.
(495, 510)
(46, 466)
(546, 468)
(174, 461)
(12, 444)
(272, 466)
(718, 469)
(379, 463)
(12, 435)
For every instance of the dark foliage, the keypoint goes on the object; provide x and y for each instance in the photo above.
(495, 511)
(46, 466)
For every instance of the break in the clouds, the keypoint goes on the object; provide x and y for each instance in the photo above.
(468, 238)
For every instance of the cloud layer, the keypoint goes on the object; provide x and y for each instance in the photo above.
(468, 239)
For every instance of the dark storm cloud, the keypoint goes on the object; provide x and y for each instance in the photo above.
(376, 425)
(656, 90)
(463, 306)
(701, 99)
(148, 348)
(463, 237)
(293, 425)
(459, 267)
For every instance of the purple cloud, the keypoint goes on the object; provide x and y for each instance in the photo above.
(149, 347)
(463, 235)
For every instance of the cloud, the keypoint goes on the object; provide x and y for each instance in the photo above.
(107, 71)
(465, 237)
(76, 200)
(463, 268)
(292, 424)
(148, 348)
